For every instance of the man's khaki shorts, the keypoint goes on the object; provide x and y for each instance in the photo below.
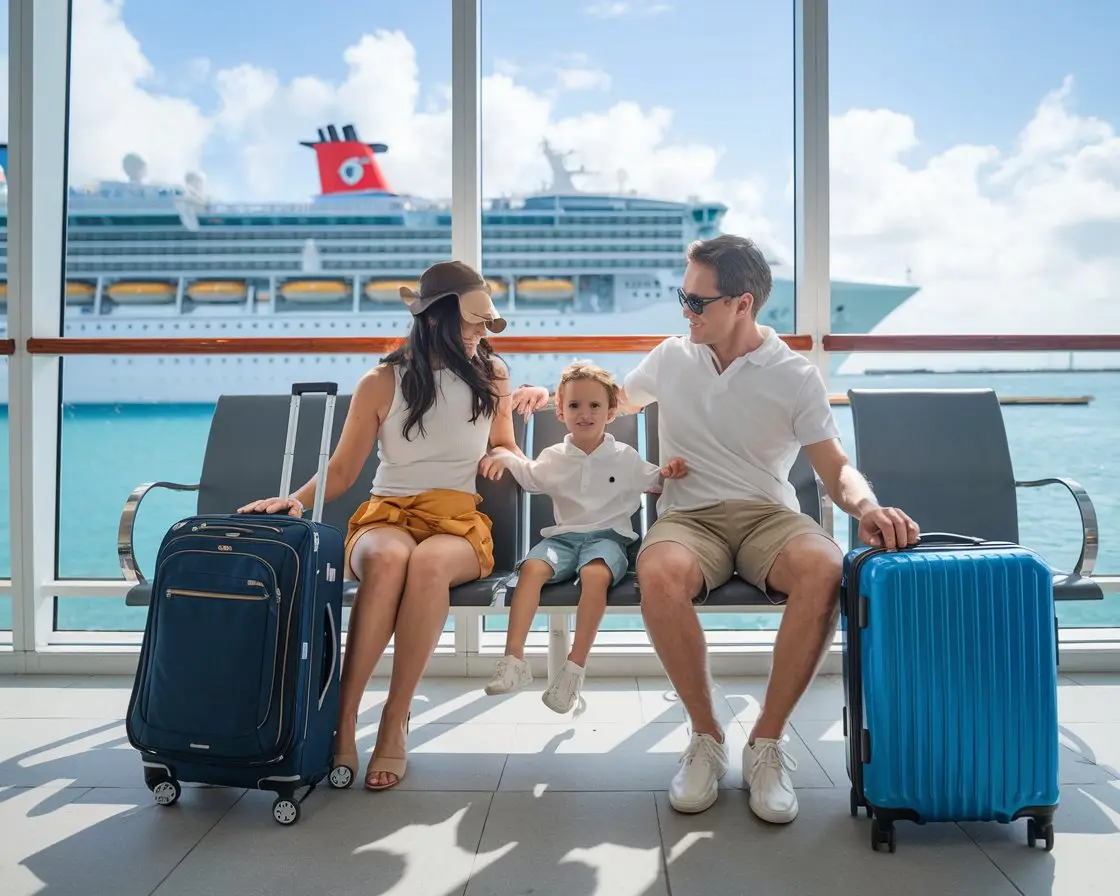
(734, 536)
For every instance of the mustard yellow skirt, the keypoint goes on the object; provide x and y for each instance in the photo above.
(434, 512)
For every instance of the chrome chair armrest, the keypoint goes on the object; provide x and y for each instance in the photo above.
(1090, 531)
(129, 567)
(827, 520)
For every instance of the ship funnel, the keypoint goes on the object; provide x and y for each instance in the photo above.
(333, 131)
(348, 132)
(322, 136)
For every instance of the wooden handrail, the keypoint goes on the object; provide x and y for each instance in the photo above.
(971, 343)
(373, 345)
(346, 345)
(7, 346)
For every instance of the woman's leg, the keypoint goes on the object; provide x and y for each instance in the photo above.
(380, 560)
(437, 564)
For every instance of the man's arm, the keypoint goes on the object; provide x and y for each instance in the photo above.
(846, 486)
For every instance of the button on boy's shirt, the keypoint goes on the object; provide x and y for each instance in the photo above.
(600, 490)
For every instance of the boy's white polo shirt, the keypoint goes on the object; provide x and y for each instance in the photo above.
(738, 430)
(600, 490)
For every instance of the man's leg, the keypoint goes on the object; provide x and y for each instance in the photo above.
(676, 561)
(807, 568)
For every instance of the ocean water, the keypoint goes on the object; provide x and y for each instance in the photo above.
(107, 451)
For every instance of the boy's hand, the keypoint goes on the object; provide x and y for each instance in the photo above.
(674, 468)
(491, 465)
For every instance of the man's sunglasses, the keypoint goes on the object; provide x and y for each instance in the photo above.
(696, 304)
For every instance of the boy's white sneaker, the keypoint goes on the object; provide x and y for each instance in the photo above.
(510, 674)
(563, 691)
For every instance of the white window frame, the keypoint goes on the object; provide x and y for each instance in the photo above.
(38, 139)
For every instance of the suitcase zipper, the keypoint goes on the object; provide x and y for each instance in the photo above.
(219, 595)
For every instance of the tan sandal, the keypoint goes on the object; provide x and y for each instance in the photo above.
(389, 765)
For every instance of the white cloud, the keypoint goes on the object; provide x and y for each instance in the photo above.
(618, 9)
(1018, 238)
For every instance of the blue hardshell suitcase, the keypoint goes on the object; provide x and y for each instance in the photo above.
(950, 680)
(238, 679)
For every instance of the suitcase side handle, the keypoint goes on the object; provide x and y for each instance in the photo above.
(332, 632)
(945, 538)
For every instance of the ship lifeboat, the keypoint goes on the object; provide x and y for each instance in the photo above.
(4, 292)
(383, 291)
(499, 289)
(314, 291)
(213, 292)
(79, 292)
(545, 290)
(141, 292)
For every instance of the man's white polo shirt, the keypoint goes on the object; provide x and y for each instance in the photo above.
(738, 430)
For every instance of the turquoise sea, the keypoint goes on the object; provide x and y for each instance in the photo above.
(108, 450)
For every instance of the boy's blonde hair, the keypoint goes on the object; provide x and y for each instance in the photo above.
(585, 370)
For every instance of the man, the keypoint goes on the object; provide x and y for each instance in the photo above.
(737, 404)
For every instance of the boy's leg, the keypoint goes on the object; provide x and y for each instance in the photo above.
(531, 577)
(603, 562)
(548, 561)
(594, 578)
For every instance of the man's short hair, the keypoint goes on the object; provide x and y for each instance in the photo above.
(739, 264)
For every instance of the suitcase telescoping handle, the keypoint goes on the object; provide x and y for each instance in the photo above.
(298, 391)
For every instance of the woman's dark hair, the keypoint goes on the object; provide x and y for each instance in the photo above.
(437, 334)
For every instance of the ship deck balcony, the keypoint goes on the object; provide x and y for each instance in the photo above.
(502, 796)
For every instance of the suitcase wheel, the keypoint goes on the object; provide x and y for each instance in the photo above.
(1040, 829)
(341, 777)
(855, 802)
(166, 791)
(285, 811)
(882, 832)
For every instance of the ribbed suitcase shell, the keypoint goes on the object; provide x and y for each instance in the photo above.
(950, 670)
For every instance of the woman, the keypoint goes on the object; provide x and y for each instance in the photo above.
(435, 405)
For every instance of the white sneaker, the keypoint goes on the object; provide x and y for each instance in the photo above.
(563, 690)
(695, 787)
(766, 768)
(510, 674)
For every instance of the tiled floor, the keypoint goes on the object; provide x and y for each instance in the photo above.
(504, 797)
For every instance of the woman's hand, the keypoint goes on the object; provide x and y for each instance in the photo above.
(292, 506)
(528, 399)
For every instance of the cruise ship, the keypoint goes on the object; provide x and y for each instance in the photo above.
(153, 260)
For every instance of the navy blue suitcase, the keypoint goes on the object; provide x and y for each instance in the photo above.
(238, 679)
(950, 680)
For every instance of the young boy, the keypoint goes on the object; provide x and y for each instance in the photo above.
(595, 484)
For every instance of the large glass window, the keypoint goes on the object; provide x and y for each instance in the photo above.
(992, 212)
(283, 186)
(613, 134)
(5, 477)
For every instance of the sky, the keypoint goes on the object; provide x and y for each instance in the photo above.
(973, 146)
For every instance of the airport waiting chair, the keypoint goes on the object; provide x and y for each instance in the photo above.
(942, 456)
(243, 460)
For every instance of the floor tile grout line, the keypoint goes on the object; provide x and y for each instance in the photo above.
(198, 842)
(984, 853)
(661, 839)
(481, 837)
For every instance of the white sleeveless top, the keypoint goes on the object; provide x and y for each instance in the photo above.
(445, 456)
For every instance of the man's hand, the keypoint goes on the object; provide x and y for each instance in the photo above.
(491, 465)
(887, 527)
(528, 399)
(674, 468)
